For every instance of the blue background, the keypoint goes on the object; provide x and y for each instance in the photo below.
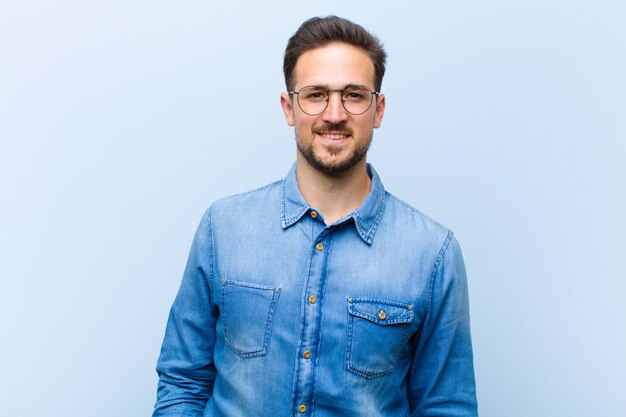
(120, 122)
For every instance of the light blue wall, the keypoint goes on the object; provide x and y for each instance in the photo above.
(121, 121)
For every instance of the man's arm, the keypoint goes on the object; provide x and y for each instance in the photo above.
(441, 378)
(185, 366)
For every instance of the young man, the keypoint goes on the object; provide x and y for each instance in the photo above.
(321, 294)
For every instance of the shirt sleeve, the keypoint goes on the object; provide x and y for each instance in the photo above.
(441, 378)
(185, 366)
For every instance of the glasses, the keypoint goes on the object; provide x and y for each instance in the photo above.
(356, 99)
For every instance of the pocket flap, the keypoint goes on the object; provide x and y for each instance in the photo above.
(381, 312)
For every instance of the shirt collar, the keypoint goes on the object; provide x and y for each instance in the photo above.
(366, 217)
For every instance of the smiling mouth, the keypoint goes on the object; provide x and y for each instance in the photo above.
(334, 136)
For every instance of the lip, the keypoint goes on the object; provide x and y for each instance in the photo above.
(334, 137)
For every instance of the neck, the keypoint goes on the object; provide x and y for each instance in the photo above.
(333, 196)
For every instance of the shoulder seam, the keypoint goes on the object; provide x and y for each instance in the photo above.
(415, 210)
(433, 275)
(211, 256)
(272, 184)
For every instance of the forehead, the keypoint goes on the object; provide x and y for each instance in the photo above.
(334, 66)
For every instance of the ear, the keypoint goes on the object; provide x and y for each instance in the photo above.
(287, 104)
(380, 110)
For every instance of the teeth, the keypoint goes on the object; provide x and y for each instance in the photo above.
(335, 136)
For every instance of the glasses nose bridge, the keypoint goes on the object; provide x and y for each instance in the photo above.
(341, 100)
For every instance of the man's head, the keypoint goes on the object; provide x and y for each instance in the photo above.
(321, 31)
(333, 70)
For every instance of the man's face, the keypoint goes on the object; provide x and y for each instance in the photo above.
(335, 140)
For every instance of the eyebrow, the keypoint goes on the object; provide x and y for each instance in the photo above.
(325, 86)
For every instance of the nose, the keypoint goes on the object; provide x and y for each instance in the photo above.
(335, 113)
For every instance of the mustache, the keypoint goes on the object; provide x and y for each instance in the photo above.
(327, 127)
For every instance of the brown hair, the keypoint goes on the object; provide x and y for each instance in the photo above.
(320, 31)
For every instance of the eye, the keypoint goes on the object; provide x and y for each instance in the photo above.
(313, 94)
(356, 94)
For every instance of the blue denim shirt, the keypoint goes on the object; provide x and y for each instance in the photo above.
(280, 315)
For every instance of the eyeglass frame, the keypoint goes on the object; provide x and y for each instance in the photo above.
(343, 102)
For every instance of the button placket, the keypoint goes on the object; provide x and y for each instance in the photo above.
(309, 342)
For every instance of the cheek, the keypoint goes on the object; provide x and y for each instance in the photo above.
(303, 124)
(300, 130)
(365, 125)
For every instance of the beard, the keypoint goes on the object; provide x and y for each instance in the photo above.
(334, 167)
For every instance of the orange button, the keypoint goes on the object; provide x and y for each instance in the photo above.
(307, 354)
(302, 408)
(382, 315)
(314, 214)
(312, 299)
(319, 246)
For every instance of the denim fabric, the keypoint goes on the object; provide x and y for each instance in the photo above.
(280, 315)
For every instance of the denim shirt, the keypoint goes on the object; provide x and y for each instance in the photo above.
(279, 314)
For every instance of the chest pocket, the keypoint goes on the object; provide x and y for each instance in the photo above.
(247, 312)
(377, 332)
